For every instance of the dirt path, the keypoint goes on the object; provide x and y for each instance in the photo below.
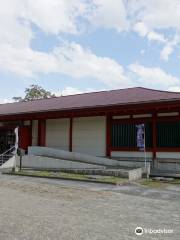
(36, 209)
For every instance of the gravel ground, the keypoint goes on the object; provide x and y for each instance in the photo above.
(33, 209)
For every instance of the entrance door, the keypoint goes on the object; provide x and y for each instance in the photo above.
(7, 139)
(25, 137)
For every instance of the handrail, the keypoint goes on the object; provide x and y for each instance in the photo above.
(2, 154)
(6, 155)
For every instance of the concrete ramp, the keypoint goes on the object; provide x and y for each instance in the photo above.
(50, 158)
(72, 156)
(47, 163)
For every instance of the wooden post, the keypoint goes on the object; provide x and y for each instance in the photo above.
(20, 162)
(42, 132)
(154, 136)
(108, 135)
(70, 133)
(31, 129)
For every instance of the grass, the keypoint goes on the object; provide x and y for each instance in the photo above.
(176, 181)
(72, 176)
(157, 183)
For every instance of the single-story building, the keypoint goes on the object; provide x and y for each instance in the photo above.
(99, 123)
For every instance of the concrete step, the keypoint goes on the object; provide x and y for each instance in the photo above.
(132, 175)
(103, 172)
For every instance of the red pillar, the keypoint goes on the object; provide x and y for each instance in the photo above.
(108, 135)
(154, 136)
(42, 132)
(70, 133)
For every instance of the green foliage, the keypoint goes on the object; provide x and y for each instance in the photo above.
(72, 176)
(34, 92)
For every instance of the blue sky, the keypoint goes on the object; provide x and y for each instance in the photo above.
(78, 46)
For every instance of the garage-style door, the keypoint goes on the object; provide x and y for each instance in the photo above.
(89, 135)
(57, 133)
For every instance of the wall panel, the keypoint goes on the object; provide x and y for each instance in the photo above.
(89, 135)
(57, 133)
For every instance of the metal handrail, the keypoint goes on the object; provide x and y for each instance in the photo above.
(5, 154)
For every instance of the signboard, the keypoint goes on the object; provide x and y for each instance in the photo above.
(141, 142)
(140, 138)
(16, 130)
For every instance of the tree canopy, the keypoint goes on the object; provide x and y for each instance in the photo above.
(34, 92)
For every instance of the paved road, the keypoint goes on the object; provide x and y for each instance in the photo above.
(35, 209)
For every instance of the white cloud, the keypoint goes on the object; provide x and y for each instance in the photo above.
(72, 91)
(143, 31)
(108, 14)
(62, 16)
(5, 100)
(166, 51)
(69, 91)
(150, 17)
(70, 59)
(169, 47)
(156, 14)
(55, 16)
(75, 61)
(25, 61)
(153, 77)
(174, 89)
(154, 36)
(13, 30)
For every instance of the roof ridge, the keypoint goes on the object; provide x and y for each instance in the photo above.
(95, 92)
(157, 90)
(41, 99)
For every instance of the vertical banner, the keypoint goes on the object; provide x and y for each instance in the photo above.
(141, 142)
(140, 138)
(16, 131)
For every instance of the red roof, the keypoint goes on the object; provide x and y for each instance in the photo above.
(136, 95)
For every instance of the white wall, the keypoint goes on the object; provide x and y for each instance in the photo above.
(57, 133)
(89, 135)
(130, 154)
(163, 155)
(170, 155)
(34, 133)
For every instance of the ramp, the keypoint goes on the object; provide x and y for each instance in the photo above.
(72, 156)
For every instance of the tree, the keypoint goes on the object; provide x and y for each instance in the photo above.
(34, 92)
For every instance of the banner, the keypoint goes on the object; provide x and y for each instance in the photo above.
(16, 131)
(140, 139)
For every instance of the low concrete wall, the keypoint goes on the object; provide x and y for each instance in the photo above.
(133, 162)
(168, 155)
(129, 154)
(39, 162)
(132, 175)
(172, 165)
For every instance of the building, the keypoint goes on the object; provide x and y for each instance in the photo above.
(100, 123)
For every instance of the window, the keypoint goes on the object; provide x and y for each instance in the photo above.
(124, 135)
(168, 134)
